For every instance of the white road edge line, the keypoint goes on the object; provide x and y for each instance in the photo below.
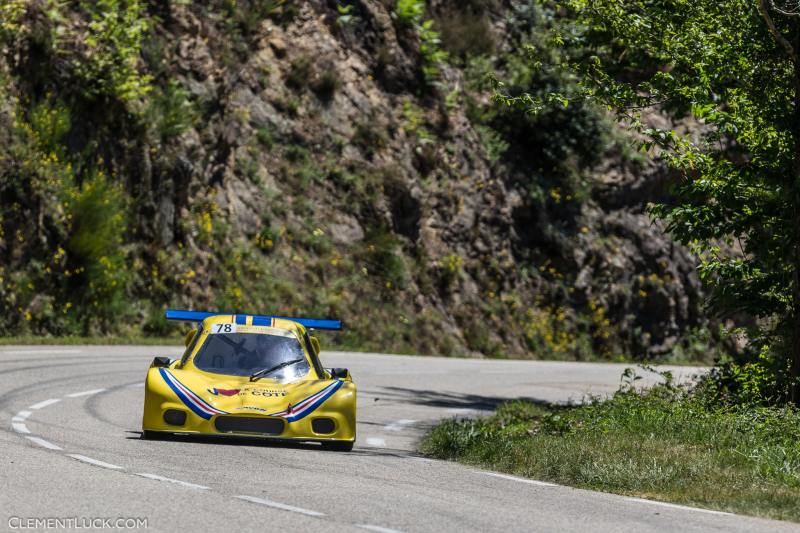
(278, 505)
(376, 442)
(95, 462)
(518, 479)
(186, 484)
(676, 506)
(26, 352)
(84, 393)
(19, 427)
(464, 411)
(379, 529)
(45, 403)
(22, 416)
(44, 443)
(399, 425)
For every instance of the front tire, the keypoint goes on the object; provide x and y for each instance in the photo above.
(153, 435)
(338, 445)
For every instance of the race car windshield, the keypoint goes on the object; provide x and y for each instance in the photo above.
(244, 354)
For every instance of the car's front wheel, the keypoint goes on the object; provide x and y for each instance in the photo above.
(154, 435)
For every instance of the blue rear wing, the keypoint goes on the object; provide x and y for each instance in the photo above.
(258, 320)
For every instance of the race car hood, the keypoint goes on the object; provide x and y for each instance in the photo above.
(208, 397)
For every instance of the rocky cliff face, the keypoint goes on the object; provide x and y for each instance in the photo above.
(306, 159)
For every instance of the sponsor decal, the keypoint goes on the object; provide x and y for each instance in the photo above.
(222, 328)
(250, 408)
(267, 392)
(224, 392)
(275, 393)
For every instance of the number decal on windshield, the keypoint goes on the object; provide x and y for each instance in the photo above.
(224, 328)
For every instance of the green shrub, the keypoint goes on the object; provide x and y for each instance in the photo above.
(266, 239)
(369, 137)
(477, 332)
(450, 269)
(300, 73)
(432, 54)
(156, 324)
(325, 84)
(562, 140)
(50, 122)
(759, 379)
(495, 144)
(97, 272)
(265, 136)
(383, 258)
(304, 74)
(245, 16)
(108, 64)
(409, 13)
(170, 112)
(465, 29)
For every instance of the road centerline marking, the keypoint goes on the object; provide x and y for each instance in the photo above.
(20, 427)
(31, 352)
(22, 416)
(281, 506)
(85, 393)
(44, 443)
(399, 425)
(186, 484)
(95, 462)
(45, 403)
(379, 529)
(675, 506)
(517, 479)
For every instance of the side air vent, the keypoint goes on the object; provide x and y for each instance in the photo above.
(245, 424)
(323, 426)
(175, 417)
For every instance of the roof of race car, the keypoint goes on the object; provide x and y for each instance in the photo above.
(276, 324)
(253, 320)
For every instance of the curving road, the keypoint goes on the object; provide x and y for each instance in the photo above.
(71, 450)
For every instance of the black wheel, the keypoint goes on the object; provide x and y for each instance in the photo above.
(338, 445)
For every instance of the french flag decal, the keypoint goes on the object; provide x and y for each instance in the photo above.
(194, 402)
(305, 407)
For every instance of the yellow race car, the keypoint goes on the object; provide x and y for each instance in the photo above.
(251, 376)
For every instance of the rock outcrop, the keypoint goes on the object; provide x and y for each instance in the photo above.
(318, 172)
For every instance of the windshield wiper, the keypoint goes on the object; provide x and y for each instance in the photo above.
(270, 370)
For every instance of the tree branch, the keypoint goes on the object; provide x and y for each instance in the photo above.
(789, 13)
(780, 39)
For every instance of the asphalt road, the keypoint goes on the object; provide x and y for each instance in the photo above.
(71, 451)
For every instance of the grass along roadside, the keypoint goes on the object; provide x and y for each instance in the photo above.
(665, 443)
(32, 340)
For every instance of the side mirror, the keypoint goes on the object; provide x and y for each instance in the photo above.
(339, 373)
(315, 344)
(161, 362)
(189, 336)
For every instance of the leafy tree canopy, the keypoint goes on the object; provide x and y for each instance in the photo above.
(731, 67)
